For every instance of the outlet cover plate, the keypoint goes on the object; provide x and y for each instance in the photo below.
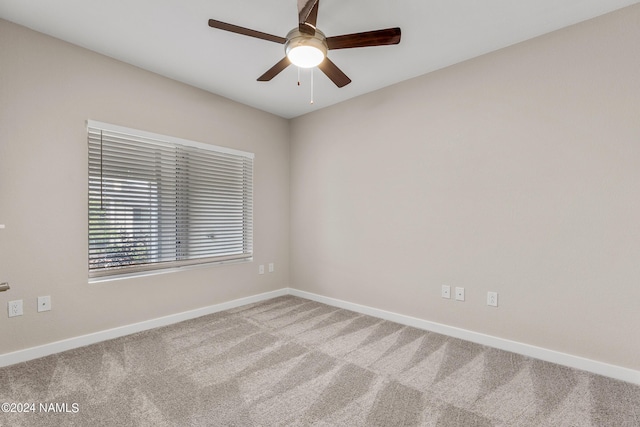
(492, 299)
(44, 303)
(15, 308)
(446, 291)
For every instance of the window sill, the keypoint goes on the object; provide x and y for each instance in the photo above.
(125, 276)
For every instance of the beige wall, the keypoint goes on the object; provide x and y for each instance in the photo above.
(516, 172)
(48, 89)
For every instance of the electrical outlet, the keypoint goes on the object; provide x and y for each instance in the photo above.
(261, 269)
(271, 267)
(492, 299)
(446, 291)
(15, 308)
(460, 294)
(44, 303)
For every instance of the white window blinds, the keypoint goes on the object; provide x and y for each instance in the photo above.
(161, 202)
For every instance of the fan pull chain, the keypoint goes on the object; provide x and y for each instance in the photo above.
(311, 86)
(298, 75)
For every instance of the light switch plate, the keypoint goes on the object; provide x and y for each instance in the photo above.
(460, 294)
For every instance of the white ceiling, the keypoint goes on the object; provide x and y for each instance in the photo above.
(172, 38)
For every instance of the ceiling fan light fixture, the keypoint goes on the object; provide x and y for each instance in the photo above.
(304, 50)
(305, 56)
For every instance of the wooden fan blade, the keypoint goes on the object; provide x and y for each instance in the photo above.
(275, 70)
(307, 16)
(368, 38)
(245, 31)
(334, 73)
(310, 23)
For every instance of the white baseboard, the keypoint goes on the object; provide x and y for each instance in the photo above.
(593, 366)
(83, 340)
(600, 368)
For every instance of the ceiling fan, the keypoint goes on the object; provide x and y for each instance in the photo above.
(306, 46)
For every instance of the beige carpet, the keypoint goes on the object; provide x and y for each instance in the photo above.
(293, 362)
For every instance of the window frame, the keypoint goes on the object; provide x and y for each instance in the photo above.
(181, 192)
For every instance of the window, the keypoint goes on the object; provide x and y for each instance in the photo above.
(159, 202)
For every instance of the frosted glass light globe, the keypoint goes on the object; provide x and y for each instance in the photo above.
(305, 56)
(304, 50)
